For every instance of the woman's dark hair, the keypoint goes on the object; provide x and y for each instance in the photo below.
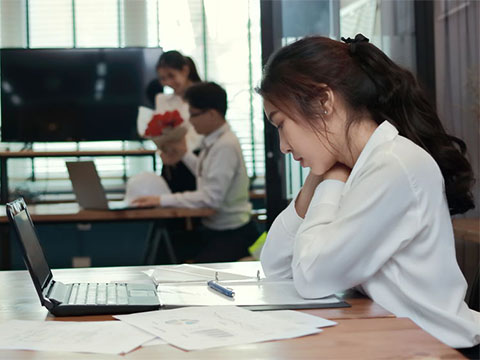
(175, 60)
(153, 89)
(294, 81)
(206, 96)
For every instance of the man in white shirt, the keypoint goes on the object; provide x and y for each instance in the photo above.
(222, 181)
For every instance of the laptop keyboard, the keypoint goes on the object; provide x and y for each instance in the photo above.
(98, 294)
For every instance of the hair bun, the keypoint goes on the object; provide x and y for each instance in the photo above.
(359, 38)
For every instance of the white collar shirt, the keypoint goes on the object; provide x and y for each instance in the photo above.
(386, 231)
(222, 182)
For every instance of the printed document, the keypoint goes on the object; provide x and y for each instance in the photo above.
(72, 336)
(196, 328)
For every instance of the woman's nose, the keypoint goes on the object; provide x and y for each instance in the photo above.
(284, 147)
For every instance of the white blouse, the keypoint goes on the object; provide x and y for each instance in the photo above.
(387, 231)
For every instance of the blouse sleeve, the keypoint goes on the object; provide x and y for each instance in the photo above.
(337, 248)
(277, 253)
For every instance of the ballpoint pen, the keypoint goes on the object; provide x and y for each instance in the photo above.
(221, 289)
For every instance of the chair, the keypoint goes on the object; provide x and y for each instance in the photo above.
(473, 294)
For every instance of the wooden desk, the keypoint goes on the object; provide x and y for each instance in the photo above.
(364, 331)
(71, 212)
(393, 338)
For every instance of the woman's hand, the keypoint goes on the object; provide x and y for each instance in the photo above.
(147, 201)
(306, 194)
(173, 151)
(312, 181)
(338, 172)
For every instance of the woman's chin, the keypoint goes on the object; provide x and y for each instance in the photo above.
(318, 173)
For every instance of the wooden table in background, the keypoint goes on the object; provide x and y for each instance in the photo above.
(71, 212)
(6, 155)
(364, 331)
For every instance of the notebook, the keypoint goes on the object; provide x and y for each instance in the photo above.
(88, 188)
(76, 298)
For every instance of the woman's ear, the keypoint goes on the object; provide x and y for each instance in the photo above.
(328, 101)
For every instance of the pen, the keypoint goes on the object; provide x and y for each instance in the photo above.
(221, 289)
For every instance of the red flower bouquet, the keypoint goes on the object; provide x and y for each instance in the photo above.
(160, 122)
(165, 127)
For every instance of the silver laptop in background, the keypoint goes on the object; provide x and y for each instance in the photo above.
(88, 188)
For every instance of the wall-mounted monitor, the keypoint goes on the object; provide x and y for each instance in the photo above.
(74, 94)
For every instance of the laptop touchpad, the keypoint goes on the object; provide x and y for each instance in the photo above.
(142, 293)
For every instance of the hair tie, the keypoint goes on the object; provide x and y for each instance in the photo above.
(359, 38)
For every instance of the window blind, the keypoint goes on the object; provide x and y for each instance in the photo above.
(222, 37)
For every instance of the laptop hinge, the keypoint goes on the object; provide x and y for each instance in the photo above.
(54, 293)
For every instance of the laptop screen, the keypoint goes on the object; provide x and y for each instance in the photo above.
(33, 251)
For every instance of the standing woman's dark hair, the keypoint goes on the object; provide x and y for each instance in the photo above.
(175, 60)
(369, 82)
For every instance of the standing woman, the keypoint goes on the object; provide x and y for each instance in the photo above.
(179, 73)
(374, 212)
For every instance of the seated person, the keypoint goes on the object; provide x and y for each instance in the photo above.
(221, 176)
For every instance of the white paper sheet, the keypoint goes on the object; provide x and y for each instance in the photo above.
(143, 118)
(72, 336)
(145, 184)
(247, 293)
(192, 273)
(196, 328)
(154, 342)
(300, 318)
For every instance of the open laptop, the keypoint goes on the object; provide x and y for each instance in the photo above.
(77, 298)
(88, 188)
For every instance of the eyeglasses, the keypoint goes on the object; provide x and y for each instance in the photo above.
(192, 115)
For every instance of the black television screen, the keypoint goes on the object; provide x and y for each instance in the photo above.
(74, 94)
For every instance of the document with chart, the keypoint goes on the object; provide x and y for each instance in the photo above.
(196, 328)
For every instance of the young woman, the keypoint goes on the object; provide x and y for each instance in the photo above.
(374, 212)
(179, 73)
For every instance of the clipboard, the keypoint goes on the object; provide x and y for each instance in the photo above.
(259, 294)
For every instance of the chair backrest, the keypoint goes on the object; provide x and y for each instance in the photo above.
(473, 296)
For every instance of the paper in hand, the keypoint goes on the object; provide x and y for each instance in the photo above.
(143, 118)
